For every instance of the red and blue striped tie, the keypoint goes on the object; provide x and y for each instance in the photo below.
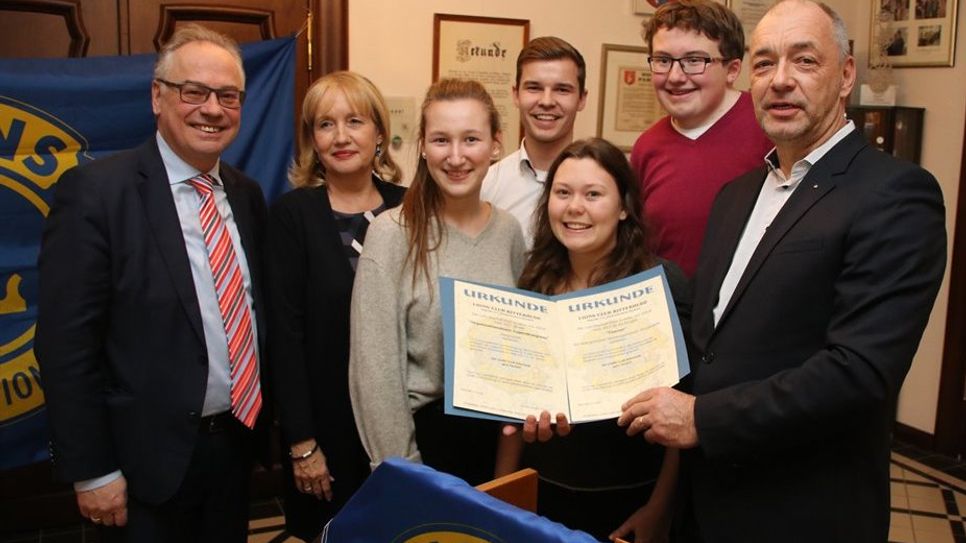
(246, 396)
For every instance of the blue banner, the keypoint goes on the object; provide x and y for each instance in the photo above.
(58, 113)
(403, 502)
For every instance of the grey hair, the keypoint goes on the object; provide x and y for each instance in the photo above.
(839, 32)
(194, 32)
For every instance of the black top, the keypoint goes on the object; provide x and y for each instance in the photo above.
(309, 286)
(352, 229)
(599, 455)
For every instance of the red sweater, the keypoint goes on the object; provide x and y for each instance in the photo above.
(680, 177)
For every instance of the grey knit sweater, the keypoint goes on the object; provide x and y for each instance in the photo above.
(396, 337)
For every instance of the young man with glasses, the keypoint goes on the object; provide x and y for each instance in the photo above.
(709, 136)
(149, 326)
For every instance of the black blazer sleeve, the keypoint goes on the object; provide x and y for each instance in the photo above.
(286, 268)
(309, 287)
(74, 300)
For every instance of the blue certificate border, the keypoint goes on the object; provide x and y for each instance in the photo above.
(447, 293)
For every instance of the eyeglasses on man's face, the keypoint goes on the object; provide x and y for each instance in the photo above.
(197, 94)
(690, 65)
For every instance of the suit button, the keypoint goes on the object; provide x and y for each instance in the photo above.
(193, 414)
(707, 357)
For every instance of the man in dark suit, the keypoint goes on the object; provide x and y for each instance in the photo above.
(813, 288)
(147, 334)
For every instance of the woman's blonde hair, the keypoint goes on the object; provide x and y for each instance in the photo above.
(365, 99)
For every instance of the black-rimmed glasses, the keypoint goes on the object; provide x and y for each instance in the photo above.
(197, 94)
(691, 65)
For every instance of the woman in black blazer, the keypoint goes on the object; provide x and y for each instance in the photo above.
(343, 178)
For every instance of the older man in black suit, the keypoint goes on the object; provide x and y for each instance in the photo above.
(147, 333)
(814, 285)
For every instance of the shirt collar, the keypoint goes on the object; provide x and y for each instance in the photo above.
(526, 167)
(525, 163)
(771, 159)
(177, 169)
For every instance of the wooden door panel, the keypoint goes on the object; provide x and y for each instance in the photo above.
(64, 26)
(153, 21)
(245, 25)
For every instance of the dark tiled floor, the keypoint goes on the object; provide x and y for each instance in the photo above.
(928, 506)
(952, 466)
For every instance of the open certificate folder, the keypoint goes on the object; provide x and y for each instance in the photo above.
(510, 353)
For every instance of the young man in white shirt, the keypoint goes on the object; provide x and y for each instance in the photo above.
(549, 91)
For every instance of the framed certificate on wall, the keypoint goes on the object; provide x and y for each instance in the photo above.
(628, 104)
(484, 49)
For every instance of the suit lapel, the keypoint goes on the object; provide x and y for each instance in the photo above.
(818, 182)
(162, 218)
(241, 211)
(721, 240)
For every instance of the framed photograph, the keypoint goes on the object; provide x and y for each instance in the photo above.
(484, 49)
(913, 33)
(647, 7)
(628, 104)
(749, 12)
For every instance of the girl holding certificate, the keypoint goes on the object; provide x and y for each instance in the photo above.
(589, 232)
(442, 228)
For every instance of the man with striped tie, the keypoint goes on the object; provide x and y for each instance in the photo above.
(149, 314)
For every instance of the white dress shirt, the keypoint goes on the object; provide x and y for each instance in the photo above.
(775, 191)
(513, 185)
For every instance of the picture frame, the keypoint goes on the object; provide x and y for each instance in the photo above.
(627, 103)
(484, 49)
(923, 33)
(647, 7)
(749, 12)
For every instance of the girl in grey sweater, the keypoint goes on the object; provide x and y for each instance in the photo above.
(442, 228)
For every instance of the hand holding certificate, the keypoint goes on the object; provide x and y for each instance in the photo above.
(511, 353)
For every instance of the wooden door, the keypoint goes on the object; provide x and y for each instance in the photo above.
(951, 412)
(78, 28)
(150, 23)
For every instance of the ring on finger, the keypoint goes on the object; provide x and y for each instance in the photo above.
(95, 519)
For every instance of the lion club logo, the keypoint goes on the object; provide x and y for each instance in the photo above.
(446, 533)
(35, 149)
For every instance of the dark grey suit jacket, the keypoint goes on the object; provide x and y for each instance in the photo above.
(120, 341)
(797, 385)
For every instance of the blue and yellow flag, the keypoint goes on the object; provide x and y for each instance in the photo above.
(403, 502)
(58, 113)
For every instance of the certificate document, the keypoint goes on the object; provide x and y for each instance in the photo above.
(510, 353)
